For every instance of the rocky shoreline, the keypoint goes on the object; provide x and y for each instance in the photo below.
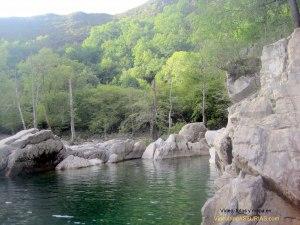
(258, 153)
(33, 150)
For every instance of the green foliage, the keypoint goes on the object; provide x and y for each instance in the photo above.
(182, 45)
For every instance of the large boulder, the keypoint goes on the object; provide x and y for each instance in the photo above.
(246, 197)
(111, 151)
(262, 137)
(189, 142)
(30, 151)
(193, 132)
(243, 195)
(177, 146)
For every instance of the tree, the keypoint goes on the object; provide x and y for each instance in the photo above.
(72, 113)
(36, 71)
(18, 101)
(295, 12)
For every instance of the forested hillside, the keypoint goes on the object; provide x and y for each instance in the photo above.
(51, 30)
(142, 71)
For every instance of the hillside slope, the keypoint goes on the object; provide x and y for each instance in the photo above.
(57, 30)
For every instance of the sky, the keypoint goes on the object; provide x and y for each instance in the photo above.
(20, 8)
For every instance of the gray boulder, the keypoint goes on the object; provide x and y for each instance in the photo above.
(189, 142)
(111, 151)
(241, 196)
(74, 162)
(150, 150)
(193, 132)
(30, 151)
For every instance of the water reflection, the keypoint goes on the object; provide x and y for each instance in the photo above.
(133, 192)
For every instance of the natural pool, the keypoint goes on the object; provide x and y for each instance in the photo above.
(133, 192)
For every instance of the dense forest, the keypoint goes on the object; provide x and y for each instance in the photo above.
(146, 71)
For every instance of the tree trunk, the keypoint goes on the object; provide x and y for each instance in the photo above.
(295, 12)
(203, 104)
(105, 132)
(153, 123)
(47, 118)
(72, 114)
(34, 105)
(171, 106)
(19, 105)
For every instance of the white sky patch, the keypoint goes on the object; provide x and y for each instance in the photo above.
(24, 8)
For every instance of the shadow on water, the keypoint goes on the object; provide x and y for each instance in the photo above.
(133, 192)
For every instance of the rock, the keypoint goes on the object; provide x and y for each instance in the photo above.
(243, 78)
(189, 142)
(262, 137)
(150, 150)
(74, 162)
(95, 162)
(283, 210)
(137, 152)
(114, 158)
(266, 134)
(211, 136)
(241, 196)
(193, 132)
(106, 151)
(30, 151)
(212, 153)
(231, 172)
(175, 146)
(223, 146)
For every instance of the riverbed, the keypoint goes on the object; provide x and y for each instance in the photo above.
(132, 192)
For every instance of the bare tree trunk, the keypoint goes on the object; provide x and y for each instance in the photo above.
(72, 114)
(295, 12)
(19, 105)
(203, 103)
(153, 123)
(34, 105)
(171, 106)
(47, 118)
(105, 131)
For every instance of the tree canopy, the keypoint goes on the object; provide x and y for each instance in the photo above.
(165, 63)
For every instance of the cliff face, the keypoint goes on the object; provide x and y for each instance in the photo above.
(259, 151)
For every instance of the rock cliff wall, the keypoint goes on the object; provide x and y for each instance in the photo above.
(258, 153)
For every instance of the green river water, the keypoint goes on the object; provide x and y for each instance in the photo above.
(134, 192)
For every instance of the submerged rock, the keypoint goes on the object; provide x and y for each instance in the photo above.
(189, 142)
(262, 137)
(30, 151)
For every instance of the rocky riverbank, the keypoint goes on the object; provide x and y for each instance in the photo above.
(33, 150)
(258, 153)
